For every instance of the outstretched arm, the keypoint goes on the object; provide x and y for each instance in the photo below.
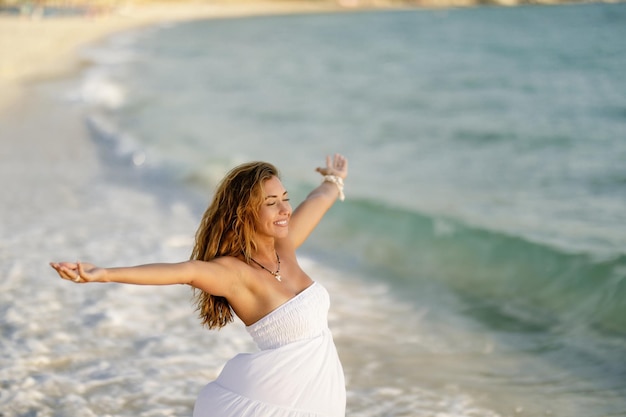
(199, 274)
(309, 213)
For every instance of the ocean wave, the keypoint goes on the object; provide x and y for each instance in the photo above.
(524, 284)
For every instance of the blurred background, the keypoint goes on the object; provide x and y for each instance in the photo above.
(476, 268)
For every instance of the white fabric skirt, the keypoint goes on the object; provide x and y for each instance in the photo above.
(299, 379)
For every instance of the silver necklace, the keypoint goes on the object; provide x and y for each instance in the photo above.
(277, 273)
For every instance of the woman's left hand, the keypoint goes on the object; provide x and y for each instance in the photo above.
(337, 165)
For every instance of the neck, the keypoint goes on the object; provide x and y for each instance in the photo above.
(265, 250)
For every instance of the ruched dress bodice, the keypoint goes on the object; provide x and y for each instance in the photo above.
(305, 316)
(296, 373)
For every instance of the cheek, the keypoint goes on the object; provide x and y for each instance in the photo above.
(266, 214)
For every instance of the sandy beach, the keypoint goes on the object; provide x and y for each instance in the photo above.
(36, 48)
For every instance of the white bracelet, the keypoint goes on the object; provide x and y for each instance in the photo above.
(338, 181)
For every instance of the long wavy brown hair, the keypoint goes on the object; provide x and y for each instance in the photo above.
(228, 228)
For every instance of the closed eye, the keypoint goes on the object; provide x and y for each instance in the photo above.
(273, 203)
(274, 197)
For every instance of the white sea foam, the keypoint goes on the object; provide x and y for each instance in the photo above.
(104, 349)
(100, 91)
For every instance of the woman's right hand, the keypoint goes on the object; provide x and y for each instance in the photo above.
(79, 272)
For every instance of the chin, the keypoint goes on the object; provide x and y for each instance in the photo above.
(282, 233)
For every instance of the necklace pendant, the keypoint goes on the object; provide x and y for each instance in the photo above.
(277, 277)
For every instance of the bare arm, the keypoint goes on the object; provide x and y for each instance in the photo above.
(214, 277)
(309, 213)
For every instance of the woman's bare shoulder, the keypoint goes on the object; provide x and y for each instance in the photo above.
(220, 276)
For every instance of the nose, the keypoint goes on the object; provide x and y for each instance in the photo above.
(285, 207)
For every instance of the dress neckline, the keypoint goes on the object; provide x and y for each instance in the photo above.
(280, 307)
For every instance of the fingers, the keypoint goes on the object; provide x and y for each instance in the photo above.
(335, 165)
(323, 171)
(340, 163)
(68, 270)
(70, 265)
(328, 169)
(79, 272)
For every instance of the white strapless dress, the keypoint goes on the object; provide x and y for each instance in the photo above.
(296, 373)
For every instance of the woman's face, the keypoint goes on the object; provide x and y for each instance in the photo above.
(275, 210)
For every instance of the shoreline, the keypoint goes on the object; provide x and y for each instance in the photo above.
(36, 49)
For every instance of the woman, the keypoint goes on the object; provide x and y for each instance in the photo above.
(244, 261)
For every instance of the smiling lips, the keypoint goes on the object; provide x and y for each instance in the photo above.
(281, 223)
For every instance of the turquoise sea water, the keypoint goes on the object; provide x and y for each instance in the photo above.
(479, 261)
